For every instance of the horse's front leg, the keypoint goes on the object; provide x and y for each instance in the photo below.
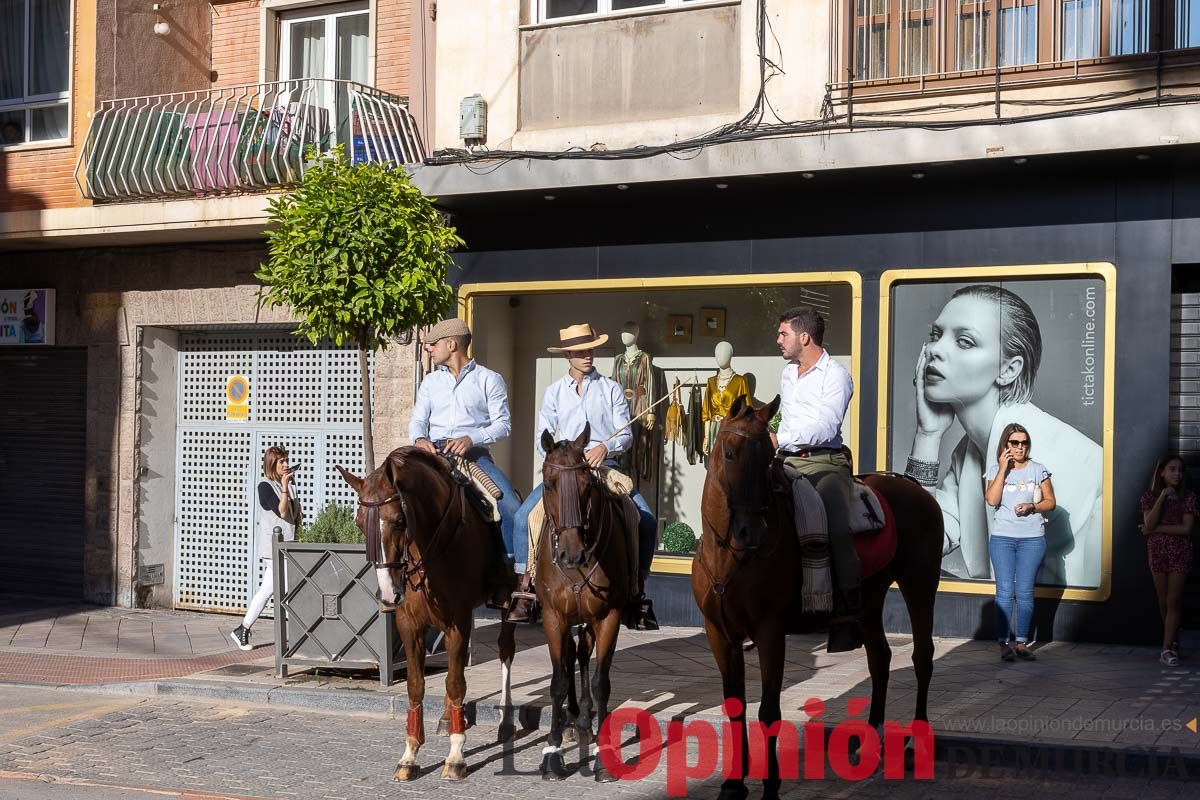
(458, 638)
(507, 646)
(583, 723)
(413, 637)
(572, 716)
(772, 646)
(606, 645)
(558, 639)
(731, 662)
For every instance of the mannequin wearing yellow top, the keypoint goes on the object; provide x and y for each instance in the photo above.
(722, 389)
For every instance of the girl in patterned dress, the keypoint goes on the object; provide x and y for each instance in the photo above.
(1168, 511)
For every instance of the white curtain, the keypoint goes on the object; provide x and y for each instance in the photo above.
(307, 50)
(12, 49)
(353, 48)
(50, 42)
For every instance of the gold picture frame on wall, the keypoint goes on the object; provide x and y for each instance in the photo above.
(679, 329)
(712, 323)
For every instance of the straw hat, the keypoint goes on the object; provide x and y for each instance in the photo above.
(577, 337)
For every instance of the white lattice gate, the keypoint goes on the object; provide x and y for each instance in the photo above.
(302, 397)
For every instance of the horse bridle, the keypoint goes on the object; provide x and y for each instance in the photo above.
(589, 552)
(375, 531)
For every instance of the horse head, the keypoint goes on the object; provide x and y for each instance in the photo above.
(382, 509)
(569, 488)
(740, 461)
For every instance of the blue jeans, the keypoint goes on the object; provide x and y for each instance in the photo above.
(647, 528)
(509, 502)
(1015, 564)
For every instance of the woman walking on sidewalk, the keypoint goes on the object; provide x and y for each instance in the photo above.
(278, 508)
(1020, 491)
(1168, 511)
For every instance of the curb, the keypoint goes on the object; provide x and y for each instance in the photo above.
(969, 751)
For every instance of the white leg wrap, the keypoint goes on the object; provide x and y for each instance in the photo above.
(549, 750)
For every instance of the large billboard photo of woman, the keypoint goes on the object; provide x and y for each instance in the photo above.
(968, 358)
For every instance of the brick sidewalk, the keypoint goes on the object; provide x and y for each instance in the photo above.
(1073, 694)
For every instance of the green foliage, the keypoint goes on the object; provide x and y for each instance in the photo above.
(334, 525)
(358, 253)
(678, 537)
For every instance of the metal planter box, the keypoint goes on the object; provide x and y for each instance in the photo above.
(329, 615)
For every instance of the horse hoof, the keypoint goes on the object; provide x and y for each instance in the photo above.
(553, 768)
(733, 790)
(454, 772)
(443, 728)
(406, 772)
(569, 733)
(600, 773)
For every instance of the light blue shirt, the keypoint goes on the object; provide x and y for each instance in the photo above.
(813, 404)
(602, 403)
(475, 405)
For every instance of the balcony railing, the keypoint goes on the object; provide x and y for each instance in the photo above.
(237, 139)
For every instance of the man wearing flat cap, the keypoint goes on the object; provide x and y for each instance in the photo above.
(462, 410)
(585, 397)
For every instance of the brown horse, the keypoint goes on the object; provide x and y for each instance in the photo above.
(428, 539)
(746, 576)
(582, 579)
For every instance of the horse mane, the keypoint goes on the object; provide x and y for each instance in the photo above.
(399, 458)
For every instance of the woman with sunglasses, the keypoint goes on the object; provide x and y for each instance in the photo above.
(1168, 511)
(1020, 492)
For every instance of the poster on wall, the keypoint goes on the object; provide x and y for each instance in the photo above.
(26, 316)
(967, 358)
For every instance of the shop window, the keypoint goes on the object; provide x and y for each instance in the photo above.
(680, 329)
(35, 59)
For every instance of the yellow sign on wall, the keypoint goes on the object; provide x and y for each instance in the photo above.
(237, 399)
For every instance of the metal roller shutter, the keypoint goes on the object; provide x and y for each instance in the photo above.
(43, 440)
(302, 397)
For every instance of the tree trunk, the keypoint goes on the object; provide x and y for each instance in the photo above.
(364, 374)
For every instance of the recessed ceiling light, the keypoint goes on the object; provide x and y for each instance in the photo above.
(806, 175)
(622, 186)
(1142, 156)
(1020, 160)
(722, 185)
(547, 197)
(918, 175)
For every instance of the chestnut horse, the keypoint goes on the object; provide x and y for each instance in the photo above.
(746, 577)
(428, 539)
(582, 580)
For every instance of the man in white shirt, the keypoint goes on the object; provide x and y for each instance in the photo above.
(815, 392)
(582, 397)
(462, 409)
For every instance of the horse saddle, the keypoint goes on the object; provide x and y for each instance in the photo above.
(481, 490)
(618, 484)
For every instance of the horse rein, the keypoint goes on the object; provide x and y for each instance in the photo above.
(373, 523)
(589, 552)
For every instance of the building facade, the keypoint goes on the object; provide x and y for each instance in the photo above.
(992, 204)
(142, 145)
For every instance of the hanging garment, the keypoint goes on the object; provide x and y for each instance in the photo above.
(717, 403)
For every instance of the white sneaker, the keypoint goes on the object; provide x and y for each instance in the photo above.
(1169, 658)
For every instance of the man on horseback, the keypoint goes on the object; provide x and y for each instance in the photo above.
(585, 397)
(816, 392)
(461, 410)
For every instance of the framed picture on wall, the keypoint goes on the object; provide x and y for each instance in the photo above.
(712, 323)
(679, 329)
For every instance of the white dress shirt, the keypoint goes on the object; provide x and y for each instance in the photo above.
(602, 403)
(475, 405)
(813, 404)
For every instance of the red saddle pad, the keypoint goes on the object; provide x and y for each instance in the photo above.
(876, 549)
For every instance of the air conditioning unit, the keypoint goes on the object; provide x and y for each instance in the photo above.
(472, 119)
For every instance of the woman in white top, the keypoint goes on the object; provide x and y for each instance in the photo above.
(978, 368)
(278, 508)
(1020, 492)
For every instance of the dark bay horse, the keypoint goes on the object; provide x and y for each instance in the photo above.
(746, 575)
(433, 545)
(582, 580)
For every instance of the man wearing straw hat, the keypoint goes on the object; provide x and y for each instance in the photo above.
(462, 410)
(585, 397)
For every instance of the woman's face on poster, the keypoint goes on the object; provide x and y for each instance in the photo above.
(962, 357)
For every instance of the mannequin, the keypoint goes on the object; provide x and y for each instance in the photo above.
(722, 389)
(633, 370)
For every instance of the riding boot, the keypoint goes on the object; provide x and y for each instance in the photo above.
(845, 628)
(639, 614)
(520, 605)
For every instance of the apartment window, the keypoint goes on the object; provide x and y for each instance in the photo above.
(917, 49)
(1018, 34)
(1129, 27)
(975, 35)
(330, 43)
(565, 9)
(35, 58)
(1187, 23)
(1080, 29)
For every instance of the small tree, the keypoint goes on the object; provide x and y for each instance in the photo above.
(359, 255)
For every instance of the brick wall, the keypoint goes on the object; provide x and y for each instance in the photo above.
(393, 45)
(102, 298)
(35, 179)
(235, 32)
